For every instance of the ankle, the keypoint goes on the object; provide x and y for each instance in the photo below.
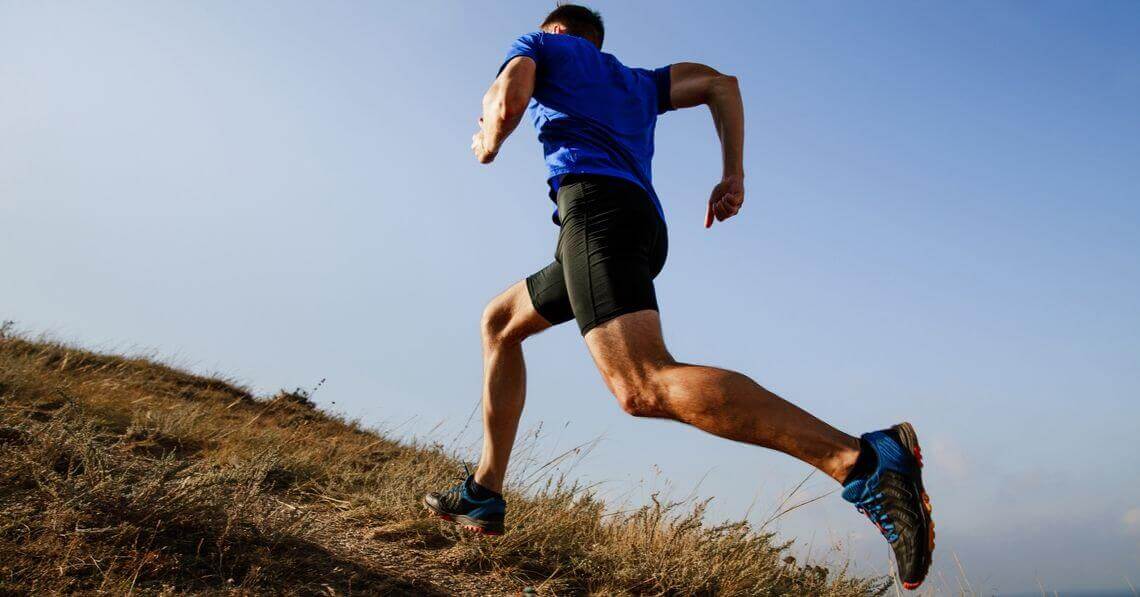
(866, 461)
(482, 492)
(489, 482)
(844, 461)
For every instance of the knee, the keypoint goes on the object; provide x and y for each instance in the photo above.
(497, 324)
(638, 397)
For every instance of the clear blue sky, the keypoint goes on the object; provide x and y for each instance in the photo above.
(942, 225)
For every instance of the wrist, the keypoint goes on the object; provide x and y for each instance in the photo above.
(489, 144)
(487, 154)
(485, 142)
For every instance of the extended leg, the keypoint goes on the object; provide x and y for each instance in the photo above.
(630, 353)
(508, 320)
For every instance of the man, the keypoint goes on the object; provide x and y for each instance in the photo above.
(595, 118)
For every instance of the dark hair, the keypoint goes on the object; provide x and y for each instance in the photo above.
(578, 21)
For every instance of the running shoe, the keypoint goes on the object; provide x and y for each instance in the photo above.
(894, 499)
(459, 505)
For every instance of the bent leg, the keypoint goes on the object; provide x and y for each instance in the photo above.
(508, 320)
(631, 355)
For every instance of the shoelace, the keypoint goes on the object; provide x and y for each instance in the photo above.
(872, 508)
(456, 493)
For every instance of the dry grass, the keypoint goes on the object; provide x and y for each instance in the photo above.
(122, 475)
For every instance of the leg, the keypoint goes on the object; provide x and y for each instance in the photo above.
(508, 320)
(630, 353)
(612, 246)
(522, 311)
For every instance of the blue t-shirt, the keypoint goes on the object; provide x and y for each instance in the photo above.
(593, 114)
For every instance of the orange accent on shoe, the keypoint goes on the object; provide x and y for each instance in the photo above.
(929, 513)
(910, 586)
(439, 515)
(480, 531)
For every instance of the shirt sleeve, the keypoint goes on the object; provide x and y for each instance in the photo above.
(662, 81)
(529, 45)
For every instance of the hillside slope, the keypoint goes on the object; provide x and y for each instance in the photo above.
(124, 475)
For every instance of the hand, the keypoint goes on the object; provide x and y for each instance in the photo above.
(479, 148)
(726, 199)
(482, 154)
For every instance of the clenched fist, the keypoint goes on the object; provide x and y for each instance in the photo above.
(484, 155)
(726, 199)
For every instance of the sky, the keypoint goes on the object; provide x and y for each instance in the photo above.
(942, 225)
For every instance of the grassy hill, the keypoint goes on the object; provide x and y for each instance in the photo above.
(124, 475)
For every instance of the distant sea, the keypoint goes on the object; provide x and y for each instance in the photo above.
(1059, 593)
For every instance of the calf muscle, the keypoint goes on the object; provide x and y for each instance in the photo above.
(630, 353)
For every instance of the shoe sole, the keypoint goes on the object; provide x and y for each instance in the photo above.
(479, 527)
(909, 439)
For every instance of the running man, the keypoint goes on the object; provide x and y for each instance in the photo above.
(595, 118)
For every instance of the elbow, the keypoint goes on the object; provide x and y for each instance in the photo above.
(720, 88)
(512, 108)
(504, 109)
(723, 84)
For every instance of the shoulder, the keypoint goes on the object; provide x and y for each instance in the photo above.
(569, 44)
(641, 72)
(528, 44)
(648, 75)
(636, 72)
(534, 37)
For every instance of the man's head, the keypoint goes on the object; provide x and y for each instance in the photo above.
(572, 19)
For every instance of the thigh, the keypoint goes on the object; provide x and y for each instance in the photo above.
(610, 247)
(546, 290)
(627, 349)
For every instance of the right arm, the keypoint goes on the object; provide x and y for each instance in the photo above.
(503, 107)
(693, 84)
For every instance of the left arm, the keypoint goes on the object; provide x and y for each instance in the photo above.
(503, 107)
(693, 84)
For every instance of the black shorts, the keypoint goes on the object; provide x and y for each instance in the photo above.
(611, 246)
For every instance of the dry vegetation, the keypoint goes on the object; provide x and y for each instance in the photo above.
(122, 475)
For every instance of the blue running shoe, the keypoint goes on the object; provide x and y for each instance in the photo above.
(896, 502)
(459, 505)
